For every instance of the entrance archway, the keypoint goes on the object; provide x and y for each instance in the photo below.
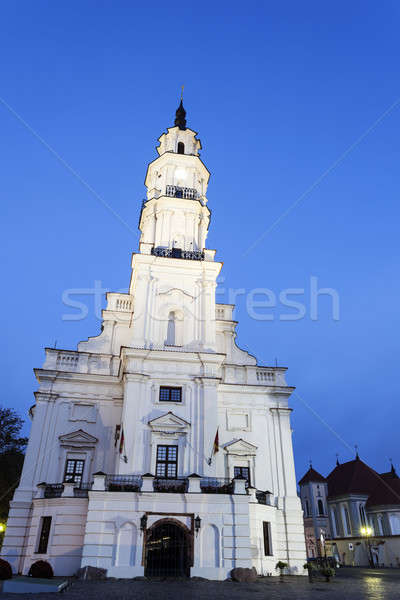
(167, 551)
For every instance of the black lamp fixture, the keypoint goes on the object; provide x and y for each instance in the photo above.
(197, 524)
(143, 522)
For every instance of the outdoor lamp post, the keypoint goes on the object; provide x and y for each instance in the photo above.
(366, 533)
(143, 523)
(197, 524)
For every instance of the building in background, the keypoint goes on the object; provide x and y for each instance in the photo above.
(362, 518)
(160, 447)
(313, 494)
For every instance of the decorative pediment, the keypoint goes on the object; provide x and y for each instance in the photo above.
(169, 423)
(240, 447)
(77, 439)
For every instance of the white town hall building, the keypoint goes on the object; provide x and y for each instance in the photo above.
(159, 447)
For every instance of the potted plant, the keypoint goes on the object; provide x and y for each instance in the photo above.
(327, 572)
(309, 567)
(281, 566)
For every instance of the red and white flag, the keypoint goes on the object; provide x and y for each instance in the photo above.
(121, 441)
(216, 443)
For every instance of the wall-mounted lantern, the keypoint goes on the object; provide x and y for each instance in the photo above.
(143, 523)
(197, 524)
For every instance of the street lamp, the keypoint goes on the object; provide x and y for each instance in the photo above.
(366, 533)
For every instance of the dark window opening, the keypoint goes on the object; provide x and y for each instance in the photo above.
(320, 507)
(307, 509)
(44, 535)
(267, 538)
(181, 148)
(167, 462)
(242, 472)
(74, 470)
(170, 394)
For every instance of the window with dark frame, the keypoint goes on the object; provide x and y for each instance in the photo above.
(267, 538)
(167, 462)
(242, 472)
(44, 535)
(170, 394)
(74, 470)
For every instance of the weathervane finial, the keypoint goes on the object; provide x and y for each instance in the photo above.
(356, 448)
(182, 92)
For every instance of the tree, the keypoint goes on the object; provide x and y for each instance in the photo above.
(12, 448)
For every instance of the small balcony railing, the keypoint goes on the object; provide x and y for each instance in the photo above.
(263, 497)
(175, 191)
(173, 486)
(216, 485)
(55, 490)
(178, 253)
(123, 483)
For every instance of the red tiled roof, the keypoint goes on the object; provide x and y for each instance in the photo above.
(353, 477)
(356, 477)
(386, 492)
(312, 475)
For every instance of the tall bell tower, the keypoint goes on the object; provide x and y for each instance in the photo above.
(174, 274)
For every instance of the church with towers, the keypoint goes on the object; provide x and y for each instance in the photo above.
(160, 447)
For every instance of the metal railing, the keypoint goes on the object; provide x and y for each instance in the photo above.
(178, 253)
(176, 191)
(263, 497)
(216, 485)
(174, 486)
(53, 490)
(123, 483)
(82, 490)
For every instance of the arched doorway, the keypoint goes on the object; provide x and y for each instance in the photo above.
(167, 550)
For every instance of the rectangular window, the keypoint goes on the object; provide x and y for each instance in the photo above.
(170, 394)
(44, 535)
(167, 462)
(267, 538)
(242, 472)
(74, 470)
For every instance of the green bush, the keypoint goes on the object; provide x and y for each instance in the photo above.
(280, 565)
(328, 572)
(5, 570)
(41, 569)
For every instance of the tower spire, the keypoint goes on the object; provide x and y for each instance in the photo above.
(180, 115)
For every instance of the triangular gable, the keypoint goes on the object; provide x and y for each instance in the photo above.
(169, 421)
(77, 438)
(240, 447)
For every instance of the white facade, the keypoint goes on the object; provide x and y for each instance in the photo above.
(106, 409)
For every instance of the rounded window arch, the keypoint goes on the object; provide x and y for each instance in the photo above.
(181, 148)
(174, 332)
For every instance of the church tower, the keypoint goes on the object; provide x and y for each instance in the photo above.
(161, 427)
(174, 298)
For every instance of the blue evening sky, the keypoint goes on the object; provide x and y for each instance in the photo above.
(279, 92)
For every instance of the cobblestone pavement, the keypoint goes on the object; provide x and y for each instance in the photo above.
(349, 584)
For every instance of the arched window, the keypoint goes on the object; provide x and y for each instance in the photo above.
(181, 148)
(362, 515)
(320, 507)
(335, 522)
(171, 330)
(174, 332)
(307, 509)
(346, 521)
